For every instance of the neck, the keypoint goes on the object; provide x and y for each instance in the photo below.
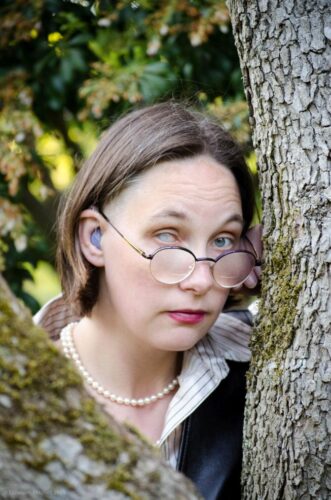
(120, 363)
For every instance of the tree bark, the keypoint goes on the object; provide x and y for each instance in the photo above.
(284, 50)
(55, 442)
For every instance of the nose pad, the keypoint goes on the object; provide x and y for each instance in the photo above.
(201, 278)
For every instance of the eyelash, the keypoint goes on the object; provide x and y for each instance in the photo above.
(165, 232)
(231, 239)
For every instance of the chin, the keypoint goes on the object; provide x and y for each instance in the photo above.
(183, 344)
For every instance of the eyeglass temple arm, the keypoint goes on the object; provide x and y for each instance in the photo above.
(258, 261)
(137, 249)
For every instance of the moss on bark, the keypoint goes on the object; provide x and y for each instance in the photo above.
(275, 329)
(43, 402)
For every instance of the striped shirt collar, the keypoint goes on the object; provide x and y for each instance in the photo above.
(204, 367)
(201, 373)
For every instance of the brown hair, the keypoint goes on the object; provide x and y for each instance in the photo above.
(133, 144)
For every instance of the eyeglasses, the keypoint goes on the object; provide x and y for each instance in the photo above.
(173, 264)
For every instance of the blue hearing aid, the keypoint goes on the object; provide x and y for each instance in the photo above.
(96, 237)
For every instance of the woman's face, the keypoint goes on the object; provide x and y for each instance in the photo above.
(193, 203)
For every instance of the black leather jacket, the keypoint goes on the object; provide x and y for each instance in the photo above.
(211, 442)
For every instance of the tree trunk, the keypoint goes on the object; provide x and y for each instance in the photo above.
(54, 443)
(284, 52)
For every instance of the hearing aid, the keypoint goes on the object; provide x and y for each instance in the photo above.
(96, 238)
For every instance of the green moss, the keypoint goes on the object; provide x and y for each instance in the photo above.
(154, 477)
(134, 431)
(35, 377)
(119, 480)
(280, 292)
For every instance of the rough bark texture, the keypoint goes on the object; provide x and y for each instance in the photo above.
(284, 48)
(54, 443)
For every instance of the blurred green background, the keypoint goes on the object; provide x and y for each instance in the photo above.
(68, 70)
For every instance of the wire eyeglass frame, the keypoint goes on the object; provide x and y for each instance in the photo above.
(196, 259)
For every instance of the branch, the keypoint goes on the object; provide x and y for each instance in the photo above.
(55, 437)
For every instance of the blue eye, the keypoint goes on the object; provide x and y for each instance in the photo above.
(223, 242)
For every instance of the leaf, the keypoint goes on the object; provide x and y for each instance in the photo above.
(81, 39)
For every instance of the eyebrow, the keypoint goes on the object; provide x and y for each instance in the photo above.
(178, 214)
(234, 218)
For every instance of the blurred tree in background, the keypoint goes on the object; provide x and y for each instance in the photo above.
(68, 69)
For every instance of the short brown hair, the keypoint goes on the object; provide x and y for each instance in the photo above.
(133, 144)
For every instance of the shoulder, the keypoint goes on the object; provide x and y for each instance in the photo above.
(231, 333)
(54, 316)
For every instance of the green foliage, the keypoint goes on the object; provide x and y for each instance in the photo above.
(73, 66)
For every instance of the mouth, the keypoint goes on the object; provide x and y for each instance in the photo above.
(187, 316)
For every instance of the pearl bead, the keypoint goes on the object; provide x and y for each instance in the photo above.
(70, 352)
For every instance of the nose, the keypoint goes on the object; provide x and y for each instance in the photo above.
(201, 280)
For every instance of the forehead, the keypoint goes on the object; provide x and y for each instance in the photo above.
(194, 185)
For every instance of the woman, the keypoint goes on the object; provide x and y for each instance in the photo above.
(152, 238)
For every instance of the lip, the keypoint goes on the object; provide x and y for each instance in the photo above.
(187, 316)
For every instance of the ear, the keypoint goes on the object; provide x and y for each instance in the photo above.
(254, 234)
(90, 229)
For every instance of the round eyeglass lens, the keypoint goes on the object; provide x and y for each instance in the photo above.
(232, 269)
(172, 265)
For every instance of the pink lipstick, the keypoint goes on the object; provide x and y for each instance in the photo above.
(187, 316)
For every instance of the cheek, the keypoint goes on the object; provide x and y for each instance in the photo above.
(220, 298)
(133, 297)
(129, 275)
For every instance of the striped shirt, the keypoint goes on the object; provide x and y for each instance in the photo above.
(204, 366)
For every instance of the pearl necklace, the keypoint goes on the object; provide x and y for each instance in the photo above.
(71, 353)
